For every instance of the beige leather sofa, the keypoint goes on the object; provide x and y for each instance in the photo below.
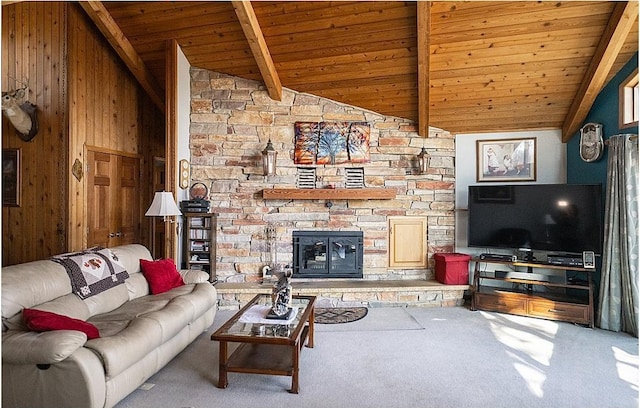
(139, 333)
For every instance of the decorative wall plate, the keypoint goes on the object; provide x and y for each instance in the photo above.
(591, 143)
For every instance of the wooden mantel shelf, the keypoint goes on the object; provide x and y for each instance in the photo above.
(329, 194)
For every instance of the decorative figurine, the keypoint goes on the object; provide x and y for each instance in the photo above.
(281, 296)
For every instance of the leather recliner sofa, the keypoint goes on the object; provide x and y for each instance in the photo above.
(139, 333)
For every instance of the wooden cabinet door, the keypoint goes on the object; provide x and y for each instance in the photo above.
(407, 242)
(113, 197)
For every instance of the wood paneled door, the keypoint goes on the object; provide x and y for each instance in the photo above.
(113, 199)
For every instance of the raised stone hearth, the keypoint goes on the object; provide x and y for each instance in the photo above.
(392, 293)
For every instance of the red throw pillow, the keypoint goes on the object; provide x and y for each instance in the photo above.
(39, 320)
(162, 275)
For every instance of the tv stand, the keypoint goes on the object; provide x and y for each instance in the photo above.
(575, 305)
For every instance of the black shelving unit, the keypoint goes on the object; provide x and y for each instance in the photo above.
(200, 243)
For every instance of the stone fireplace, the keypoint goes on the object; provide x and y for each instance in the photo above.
(327, 254)
(232, 119)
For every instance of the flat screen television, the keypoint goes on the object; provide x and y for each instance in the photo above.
(558, 218)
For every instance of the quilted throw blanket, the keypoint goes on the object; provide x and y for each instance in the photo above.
(92, 271)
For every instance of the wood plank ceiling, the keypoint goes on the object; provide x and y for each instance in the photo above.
(492, 66)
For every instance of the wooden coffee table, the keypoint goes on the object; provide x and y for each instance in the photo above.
(271, 348)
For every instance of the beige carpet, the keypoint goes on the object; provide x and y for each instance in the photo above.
(458, 359)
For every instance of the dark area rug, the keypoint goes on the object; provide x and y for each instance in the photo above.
(334, 315)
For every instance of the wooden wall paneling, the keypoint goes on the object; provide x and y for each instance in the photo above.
(106, 92)
(32, 53)
(48, 98)
(98, 115)
(80, 128)
(29, 166)
(107, 108)
(68, 66)
(123, 48)
(152, 146)
(21, 70)
(114, 110)
(125, 113)
(134, 130)
(111, 138)
(129, 110)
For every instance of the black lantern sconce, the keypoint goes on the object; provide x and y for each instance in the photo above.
(423, 161)
(269, 156)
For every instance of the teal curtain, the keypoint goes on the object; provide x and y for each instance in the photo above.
(619, 301)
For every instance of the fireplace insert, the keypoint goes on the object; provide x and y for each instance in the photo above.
(327, 254)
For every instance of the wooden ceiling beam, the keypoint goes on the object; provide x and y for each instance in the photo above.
(253, 32)
(424, 29)
(613, 38)
(119, 42)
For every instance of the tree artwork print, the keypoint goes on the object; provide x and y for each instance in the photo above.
(331, 142)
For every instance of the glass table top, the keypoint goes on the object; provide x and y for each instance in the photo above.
(251, 320)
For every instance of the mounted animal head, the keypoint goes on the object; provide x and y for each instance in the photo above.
(23, 117)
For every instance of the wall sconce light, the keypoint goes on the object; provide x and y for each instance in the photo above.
(269, 156)
(423, 161)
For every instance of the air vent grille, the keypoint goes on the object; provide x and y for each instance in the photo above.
(306, 177)
(355, 177)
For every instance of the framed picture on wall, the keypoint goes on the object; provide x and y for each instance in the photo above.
(11, 177)
(506, 160)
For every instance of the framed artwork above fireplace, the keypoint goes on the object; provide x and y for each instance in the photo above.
(331, 142)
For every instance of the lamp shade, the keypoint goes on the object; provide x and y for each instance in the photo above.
(163, 205)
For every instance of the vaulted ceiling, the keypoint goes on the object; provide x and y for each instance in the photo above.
(465, 67)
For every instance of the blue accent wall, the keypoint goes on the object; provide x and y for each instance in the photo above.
(605, 112)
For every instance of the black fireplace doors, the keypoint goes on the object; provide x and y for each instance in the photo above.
(327, 254)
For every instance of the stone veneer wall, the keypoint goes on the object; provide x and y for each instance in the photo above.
(231, 121)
